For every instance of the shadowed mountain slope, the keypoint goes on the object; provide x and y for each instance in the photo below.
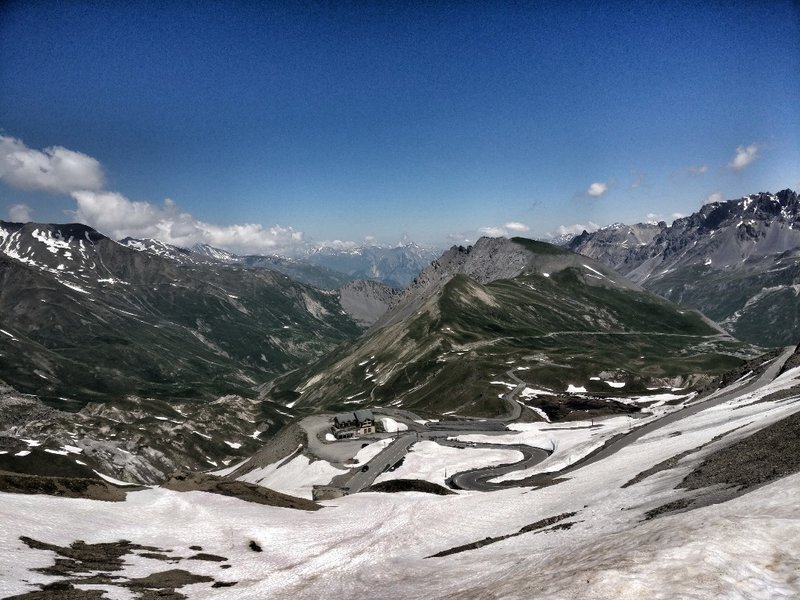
(85, 318)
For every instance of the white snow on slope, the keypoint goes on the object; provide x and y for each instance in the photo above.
(595, 271)
(374, 545)
(533, 392)
(367, 453)
(392, 426)
(296, 478)
(112, 480)
(431, 461)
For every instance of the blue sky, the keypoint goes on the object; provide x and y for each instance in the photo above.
(268, 126)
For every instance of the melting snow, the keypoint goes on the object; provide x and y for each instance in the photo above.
(392, 426)
(433, 462)
(508, 385)
(529, 392)
(595, 271)
(295, 477)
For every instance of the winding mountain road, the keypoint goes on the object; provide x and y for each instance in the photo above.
(479, 479)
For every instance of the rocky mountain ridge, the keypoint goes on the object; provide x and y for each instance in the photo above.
(737, 261)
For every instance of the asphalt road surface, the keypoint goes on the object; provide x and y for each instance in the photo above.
(477, 479)
(385, 459)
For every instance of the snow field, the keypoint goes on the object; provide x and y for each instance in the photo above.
(296, 478)
(431, 461)
(373, 545)
(392, 426)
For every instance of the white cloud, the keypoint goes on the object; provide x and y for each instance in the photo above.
(653, 217)
(517, 226)
(698, 169)
(678, 215)
(715, 197)
(638, 182)
(119, 217)
(337, 244)
(509, 229)
(744, 156)
(577, 228)
(597, 189)
(458, 238)
(55, 170)
(493, 231)
(20, 213)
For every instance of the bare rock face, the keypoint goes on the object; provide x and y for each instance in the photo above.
(723, 234)
(613, 245)
(366, 301)
(492, 259)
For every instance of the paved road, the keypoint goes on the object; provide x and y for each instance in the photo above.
(441, 431)
(511, 398)
(478, 478)
(385, 459)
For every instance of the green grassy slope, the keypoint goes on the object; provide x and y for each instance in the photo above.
(560, 329)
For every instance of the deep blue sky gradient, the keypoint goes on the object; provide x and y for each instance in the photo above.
(374, 118)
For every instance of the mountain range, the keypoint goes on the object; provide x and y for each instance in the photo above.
(476, 311)
(85, 318)
(537, 411)
(736, 261)
(112, 335)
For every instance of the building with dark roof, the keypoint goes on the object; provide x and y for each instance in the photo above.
(353, 424)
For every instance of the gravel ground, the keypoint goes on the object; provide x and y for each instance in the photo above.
(768, 454)
(184, 481)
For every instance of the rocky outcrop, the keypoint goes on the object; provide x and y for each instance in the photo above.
(366, 300)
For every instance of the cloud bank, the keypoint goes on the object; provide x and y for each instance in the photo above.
(20, 213)
(55, 170)
(577, 228)
(509, 229)
(119, 217)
